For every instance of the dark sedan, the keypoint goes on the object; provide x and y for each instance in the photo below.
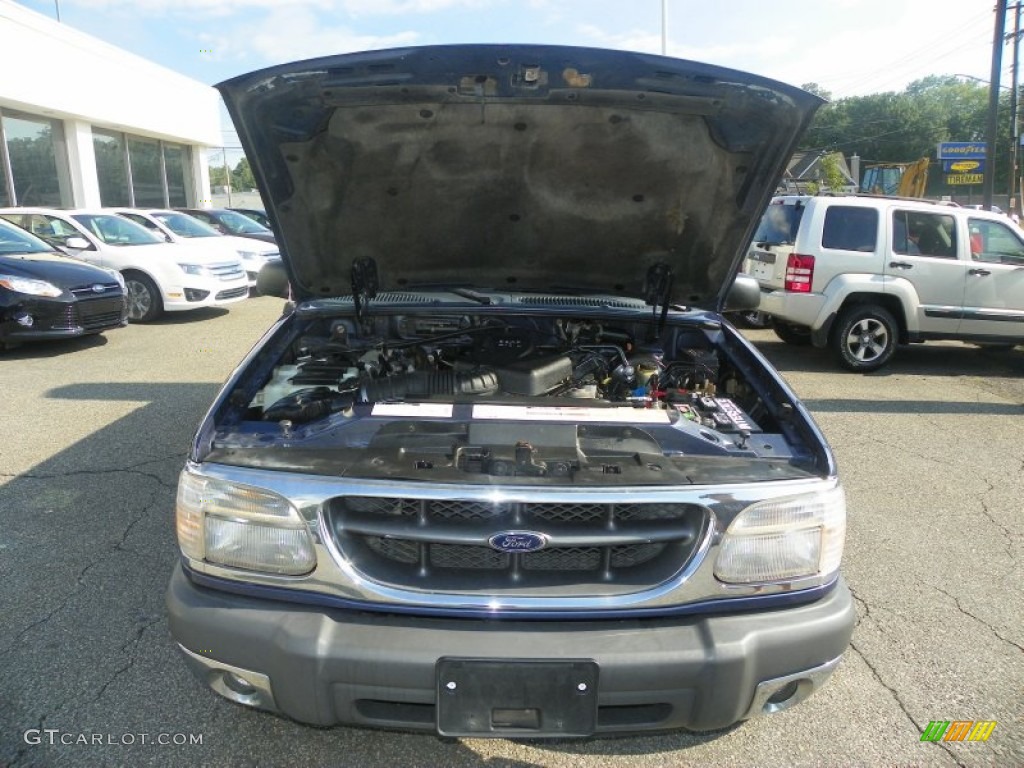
(229, 222)
(260, 217)
(45, 295)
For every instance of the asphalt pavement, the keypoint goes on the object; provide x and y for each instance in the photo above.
(94, 431)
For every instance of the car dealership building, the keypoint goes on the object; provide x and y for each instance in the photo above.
(86, 124)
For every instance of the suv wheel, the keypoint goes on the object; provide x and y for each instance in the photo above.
(865, 337)
(797, 335)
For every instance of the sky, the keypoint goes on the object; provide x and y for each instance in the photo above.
(848, 47)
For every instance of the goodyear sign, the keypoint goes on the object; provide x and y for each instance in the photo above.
(963, 166)
(961, 150)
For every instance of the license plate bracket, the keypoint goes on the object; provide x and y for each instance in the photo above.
(510, 698)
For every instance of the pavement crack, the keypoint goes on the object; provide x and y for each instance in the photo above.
(132, 469)
(131, 647)
(864, 603)
(899, 702)
(80, 578)
(23, 750)
(965, 612)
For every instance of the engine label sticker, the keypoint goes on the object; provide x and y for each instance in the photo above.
(571, 413)
(413, 410)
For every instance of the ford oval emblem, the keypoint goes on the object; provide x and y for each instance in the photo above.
(99, 288)
(518, 541)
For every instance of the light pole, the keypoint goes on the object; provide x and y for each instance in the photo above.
(664, 27)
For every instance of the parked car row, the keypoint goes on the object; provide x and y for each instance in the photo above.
(73, 272)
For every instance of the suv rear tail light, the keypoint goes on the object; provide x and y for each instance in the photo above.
(799, 273)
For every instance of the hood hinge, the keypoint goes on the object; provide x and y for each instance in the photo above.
(658, 290)
(364, 284)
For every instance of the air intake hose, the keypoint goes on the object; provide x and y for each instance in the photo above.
(420, 383)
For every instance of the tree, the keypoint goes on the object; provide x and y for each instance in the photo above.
(218, 176)
(241, 176)
(817, 90)
(830, 176)
(900, 127)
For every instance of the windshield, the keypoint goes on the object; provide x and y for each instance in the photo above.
(16, 240)
(116, 230)
(184, 225)
(240, 224)
(779, 224)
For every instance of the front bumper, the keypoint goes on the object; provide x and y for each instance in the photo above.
(61, 318)
(205, 293)
(327, 667)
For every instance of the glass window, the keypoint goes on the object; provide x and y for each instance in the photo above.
(142, 221)
(850, 229)
(995, 242)
(110, 170)
(185, 225)
(239, 224)
(174, 165)
(779, 224)
(115, 230)
(916, 233)
(147, 180)
(5, 196)
(32, 149)
(16, 240)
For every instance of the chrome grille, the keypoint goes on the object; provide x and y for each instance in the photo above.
(439, 544)
(91, 315)
(229, 270)
(87, 291)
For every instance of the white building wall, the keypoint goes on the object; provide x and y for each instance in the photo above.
(85, 187)
(55, 71)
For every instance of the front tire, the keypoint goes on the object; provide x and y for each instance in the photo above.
(144, 300)
(864, 338)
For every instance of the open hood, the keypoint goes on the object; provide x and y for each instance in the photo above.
(515, 167)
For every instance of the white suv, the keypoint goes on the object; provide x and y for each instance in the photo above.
(861, 274)
(160, 276)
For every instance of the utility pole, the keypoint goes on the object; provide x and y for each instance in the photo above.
(1014, 121)
(993, 105)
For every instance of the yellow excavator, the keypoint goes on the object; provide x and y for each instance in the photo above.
(902, 179)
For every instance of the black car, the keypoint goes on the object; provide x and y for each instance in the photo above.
(45, 295)
(260, 217)
(502, 468)
(229, 222)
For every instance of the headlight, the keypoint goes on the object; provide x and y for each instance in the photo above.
(194, 269)
(117, 276)
(252, 256)
(29, 286)
(241, 527)
(784, 539)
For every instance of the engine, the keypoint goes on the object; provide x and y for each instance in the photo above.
(338, 364)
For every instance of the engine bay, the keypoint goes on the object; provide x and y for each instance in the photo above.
(522, 395)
